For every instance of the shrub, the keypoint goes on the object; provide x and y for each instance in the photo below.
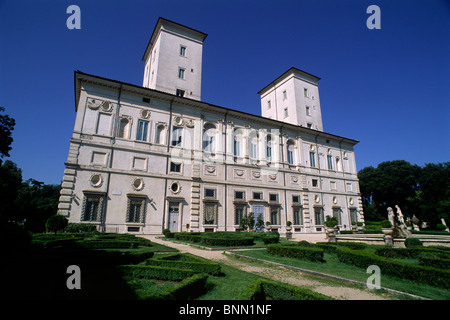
(155, 272)
(435, 260)
(413, 242)
(80, 227)
(308, 253)
(386, 224)
(271, 238)
(227, 239)
(168, 234)
(56, 222)
(440, 227)
(107, 244)
(365, 258)
(199, 267)
(266, 289)
(189, 288)
(331, 222)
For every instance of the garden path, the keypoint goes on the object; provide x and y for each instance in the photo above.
(342, 292)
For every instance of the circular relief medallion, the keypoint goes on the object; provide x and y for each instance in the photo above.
(175, 187)
(138, 184)
(145, 114)
(96, 180)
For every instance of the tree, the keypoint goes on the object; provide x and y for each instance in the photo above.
(6, 127)
(10, 181)
(56, 222)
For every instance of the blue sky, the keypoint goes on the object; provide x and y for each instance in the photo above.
(387, 88)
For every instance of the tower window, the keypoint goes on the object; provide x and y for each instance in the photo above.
(181, 73)
(308, 111)
(305, 92)
(309, 125)
(183, 51)
(284, 95)
(286, 112)
(175, 167)
(268, 104)
(180, 93)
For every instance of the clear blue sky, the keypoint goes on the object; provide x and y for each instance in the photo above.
(387, 88)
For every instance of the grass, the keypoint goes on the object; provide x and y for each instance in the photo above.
(229, 286)
(333, 266)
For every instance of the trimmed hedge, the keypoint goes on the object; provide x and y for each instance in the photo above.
(226, 239)
(434, 260)
(155, 272)
(199, 267)
(261, 289)
(188, 236)
(107, 244)
(189, 288)
(292, 251)
(270, 238)
(365, 258)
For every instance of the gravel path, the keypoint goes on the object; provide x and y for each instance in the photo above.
(344, 292)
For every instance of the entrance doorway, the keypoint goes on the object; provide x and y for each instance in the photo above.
(174, 210)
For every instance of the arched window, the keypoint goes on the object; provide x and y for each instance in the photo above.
(253, 144)
(269, 148)
(159, 138)
(290, 151)
(209, 138)
(124, 128)
(237, 142)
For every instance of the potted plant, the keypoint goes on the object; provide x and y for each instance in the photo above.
(268, 226)
(330, 223)
(387, 228)
(359, 227)
(354, 227)
(288, 226)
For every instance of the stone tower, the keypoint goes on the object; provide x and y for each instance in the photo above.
(173, 60)
(293, 98)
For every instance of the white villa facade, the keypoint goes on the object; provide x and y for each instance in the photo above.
(146, 158)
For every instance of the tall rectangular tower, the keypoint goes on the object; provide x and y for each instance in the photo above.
(173, 60)
(293, 98)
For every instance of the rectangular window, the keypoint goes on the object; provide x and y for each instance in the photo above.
(274, 216)
(330, 162)
(181, 73)
(136, 209)
(308, 111)
(176, 136)
(349, 186)
(312, 159)
(298, 216)
(353, 217)
(210, 193)
(183, 51)
(180, 93)
(273, 197)
(296, 199)
(175, 167)
(238, 214)
(305, 92)
(142, 130)
(257, 196)
(284, 95)
(239, 195)
(286, 113)
(209, 213)
(309, 125)
(269, 104)
(318, 215)
(337, 215)
(92, 207)
(314, 183)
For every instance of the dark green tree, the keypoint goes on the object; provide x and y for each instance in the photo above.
(10, 181)
(56, 223)
(6, 127)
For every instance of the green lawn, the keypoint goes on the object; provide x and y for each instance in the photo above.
(333, 266)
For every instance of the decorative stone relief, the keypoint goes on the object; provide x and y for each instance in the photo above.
(138, 184)
(145, 114)
(96, 180)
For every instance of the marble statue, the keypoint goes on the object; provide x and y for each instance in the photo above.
(391, 216)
